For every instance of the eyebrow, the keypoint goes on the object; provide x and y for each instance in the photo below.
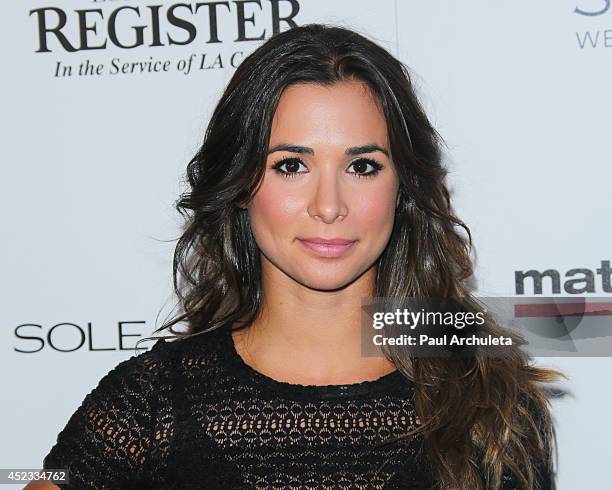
(353, 150)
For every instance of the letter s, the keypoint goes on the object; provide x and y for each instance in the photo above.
(603, 10)
(19, 336)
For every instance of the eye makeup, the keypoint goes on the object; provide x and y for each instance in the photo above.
(295, 161)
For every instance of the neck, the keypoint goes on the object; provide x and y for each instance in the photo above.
(309, 336)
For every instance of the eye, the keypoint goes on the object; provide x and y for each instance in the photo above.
(292, 166)
(361, 166)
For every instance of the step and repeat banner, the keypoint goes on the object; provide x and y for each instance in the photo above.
(104, 103)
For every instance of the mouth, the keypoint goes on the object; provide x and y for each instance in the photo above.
(328, 248)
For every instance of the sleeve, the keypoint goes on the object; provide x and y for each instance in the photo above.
(544, 475)
(106, 441)
(543, 479)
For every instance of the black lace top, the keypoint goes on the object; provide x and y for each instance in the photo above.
(192, 414)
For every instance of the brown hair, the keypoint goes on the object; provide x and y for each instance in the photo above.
(483, 417)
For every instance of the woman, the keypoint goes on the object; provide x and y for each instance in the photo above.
(319, 182)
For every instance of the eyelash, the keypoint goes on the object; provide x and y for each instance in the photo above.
(278, 163)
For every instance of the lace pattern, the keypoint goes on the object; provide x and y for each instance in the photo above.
(191, 414)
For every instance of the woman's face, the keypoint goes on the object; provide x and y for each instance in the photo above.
(329, 176)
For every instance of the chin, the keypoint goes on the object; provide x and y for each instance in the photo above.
(328, 282)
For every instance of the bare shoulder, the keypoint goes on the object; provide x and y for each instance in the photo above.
(38, 485)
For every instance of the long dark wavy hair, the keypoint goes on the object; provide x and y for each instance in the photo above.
(483, 417)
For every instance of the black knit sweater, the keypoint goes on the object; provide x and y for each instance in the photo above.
(192, 414)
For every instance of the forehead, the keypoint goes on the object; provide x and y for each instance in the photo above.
(344, 114)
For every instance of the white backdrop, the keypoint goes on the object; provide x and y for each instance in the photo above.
(92, 164)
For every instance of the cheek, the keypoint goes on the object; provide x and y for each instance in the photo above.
(274, 209)
(376, 211)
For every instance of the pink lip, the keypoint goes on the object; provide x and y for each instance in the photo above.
(335, 247)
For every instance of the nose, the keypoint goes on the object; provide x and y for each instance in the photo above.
(328, 201)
